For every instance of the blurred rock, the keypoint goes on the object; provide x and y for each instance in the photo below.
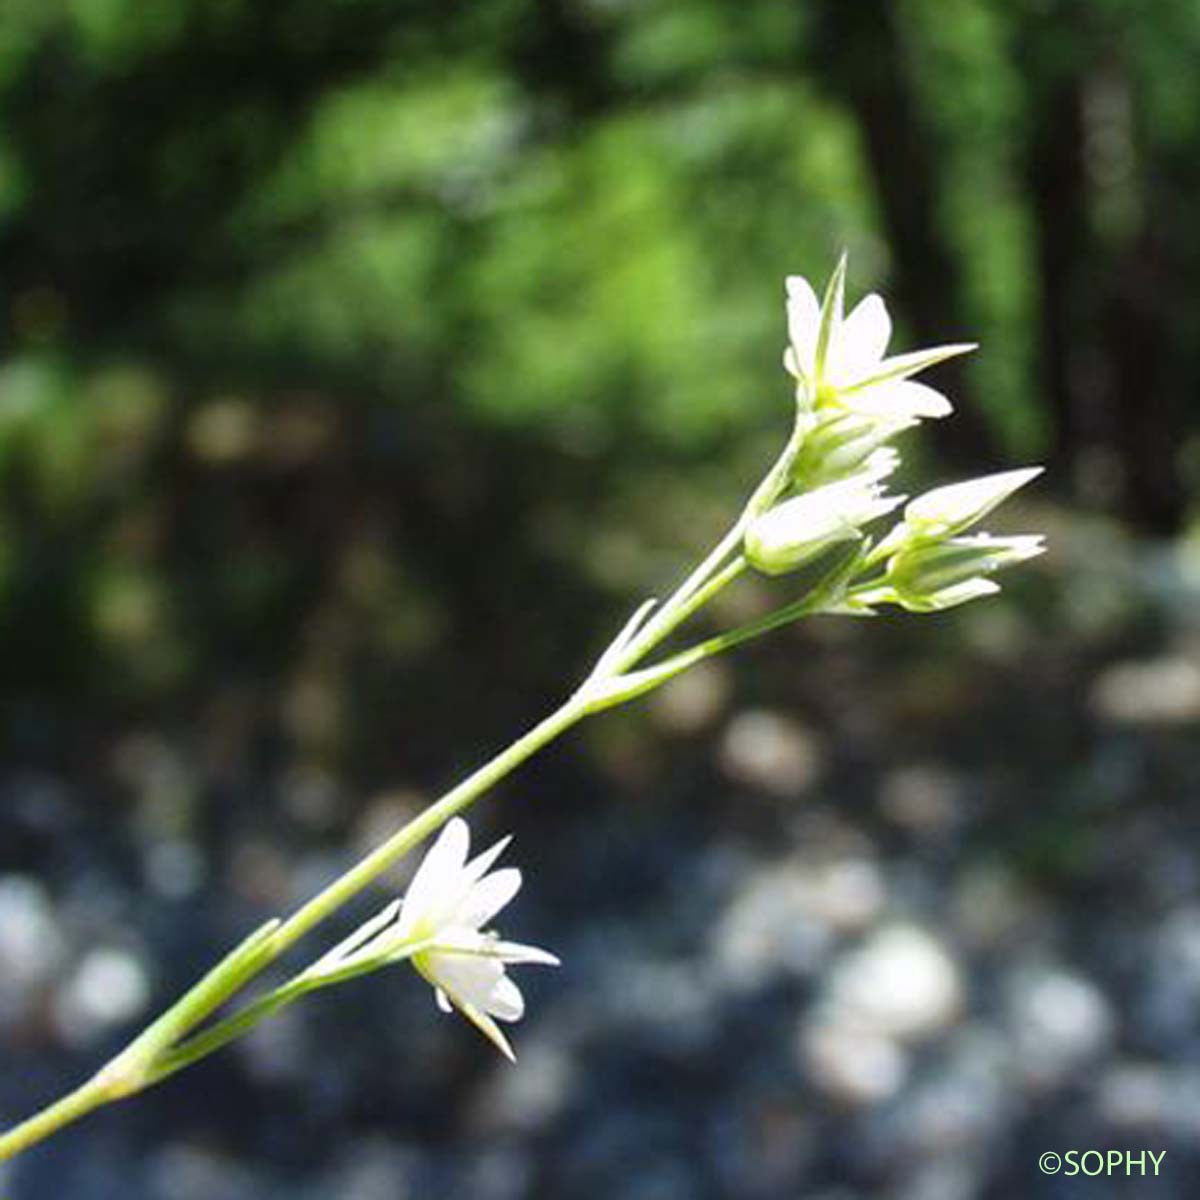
(1158, 691)
(183, 1172)
(31, 942)
(529, 1095)
(901, 983)
(765, 750)
(1059, 1020)
(371, 1168)
(769, 927)
(856, 1065)
(991, 908)
(693, 701)
(925, 798)
(1134, 1097)
(108, 986)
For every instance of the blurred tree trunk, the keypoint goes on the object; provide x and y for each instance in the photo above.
(1103, 342)
(1057, 186)
(559, 52)
(860, 58)
(1145, 426)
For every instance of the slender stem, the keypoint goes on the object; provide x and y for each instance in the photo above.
(53, 1117)
(680, 604)
(695, 600)
(705, 581)
(224, 1032)
(148, 1058)
(735, 637)
(241, 1022)
(420, 827)
(158, 1051)
(129, 1071)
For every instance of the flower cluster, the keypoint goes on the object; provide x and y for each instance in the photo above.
(852, 400)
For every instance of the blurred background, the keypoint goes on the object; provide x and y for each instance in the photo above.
(362, 363)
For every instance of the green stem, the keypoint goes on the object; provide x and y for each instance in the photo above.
(710, 576)
(148, 1058)
(226, 1031)
(158, 1052)
(735, 637)
(420, 827)
(130, 1071)
(682, 602)
(51, 1119)
(241, 1022)
(161, 1051)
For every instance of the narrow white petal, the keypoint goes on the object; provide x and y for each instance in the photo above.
(443, 1001)
(462, 939)
(898, 399)
(506, 1002)
(804, 320)
(513, 953)
(963, 593)
(490, 1030)
(467, 978)
(488, 897)
(861, 342)
(437, 880)
(880, 508)
(479, 866)
(468, 985)
(920, 400)
(879, 464)
(901, 366)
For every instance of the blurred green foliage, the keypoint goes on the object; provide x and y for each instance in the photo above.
(304, 294)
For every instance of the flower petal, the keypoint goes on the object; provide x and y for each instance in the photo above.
(861, 342)
(467, 978)
(469, 984)
(488, 897)
(804, 321)
(436, 883)
(479, 866)
(960, 593)
(506, 1002)
(512, 953)
(489, 1029)
(897, 399)
(901, 366)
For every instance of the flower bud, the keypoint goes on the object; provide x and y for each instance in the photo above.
(927, 577)
(804, 527)
(842, 444)
(946, 511)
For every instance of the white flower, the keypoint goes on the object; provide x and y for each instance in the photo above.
(440, 925)
(839, 361)
(949, 510)
(798, 530)
(446, 908)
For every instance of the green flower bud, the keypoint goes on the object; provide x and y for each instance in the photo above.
(800, 529)
(842, 444)
(946, 511)
(928, 577)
